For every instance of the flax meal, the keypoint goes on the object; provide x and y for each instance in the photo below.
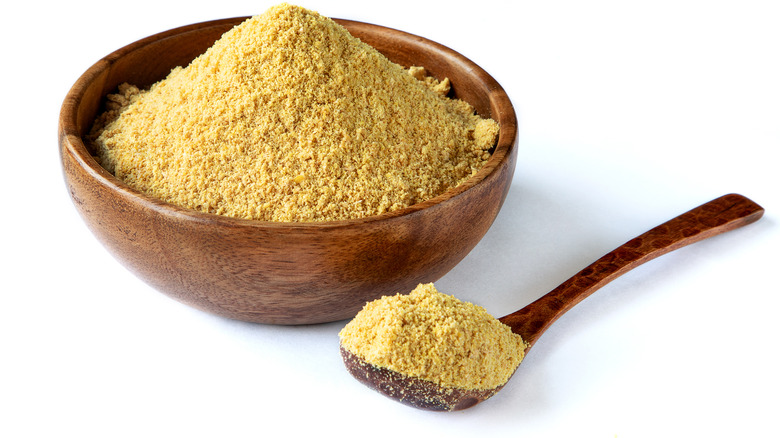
(288, 117)
(435, 337)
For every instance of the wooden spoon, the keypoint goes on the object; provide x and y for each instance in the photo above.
(715, 217)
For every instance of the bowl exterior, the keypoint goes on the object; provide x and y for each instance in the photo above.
(277, 273)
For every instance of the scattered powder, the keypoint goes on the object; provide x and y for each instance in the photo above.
(435, 337)
(287, 117)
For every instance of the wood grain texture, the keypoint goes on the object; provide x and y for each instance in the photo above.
(417, 393)
(715, 217)
(281, 273)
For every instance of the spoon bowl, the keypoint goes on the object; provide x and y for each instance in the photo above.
(715, 217)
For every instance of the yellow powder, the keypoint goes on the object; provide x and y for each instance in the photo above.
(435, 337)
(287, 117)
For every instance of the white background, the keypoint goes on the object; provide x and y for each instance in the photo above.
(630, 113)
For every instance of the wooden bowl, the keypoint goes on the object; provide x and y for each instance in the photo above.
(281, 273)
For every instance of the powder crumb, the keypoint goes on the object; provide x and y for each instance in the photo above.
(288, 117)
(115, 104)
(439, 87)
(485, 133)
(435, 337)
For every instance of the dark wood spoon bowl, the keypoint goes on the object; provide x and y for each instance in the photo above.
(281, 273)
(715, 217)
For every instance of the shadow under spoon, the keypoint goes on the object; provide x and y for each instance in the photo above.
(715, 217)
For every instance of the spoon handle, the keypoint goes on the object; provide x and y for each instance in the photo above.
(715, 217)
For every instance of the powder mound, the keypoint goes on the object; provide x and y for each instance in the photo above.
(435, 337)
(288, 117)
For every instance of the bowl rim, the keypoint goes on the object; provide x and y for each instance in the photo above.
(72, 141)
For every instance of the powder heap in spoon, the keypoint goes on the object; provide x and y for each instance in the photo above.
(288, 117)
(435, 337)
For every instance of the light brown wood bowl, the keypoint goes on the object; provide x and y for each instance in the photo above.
(281, 273)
